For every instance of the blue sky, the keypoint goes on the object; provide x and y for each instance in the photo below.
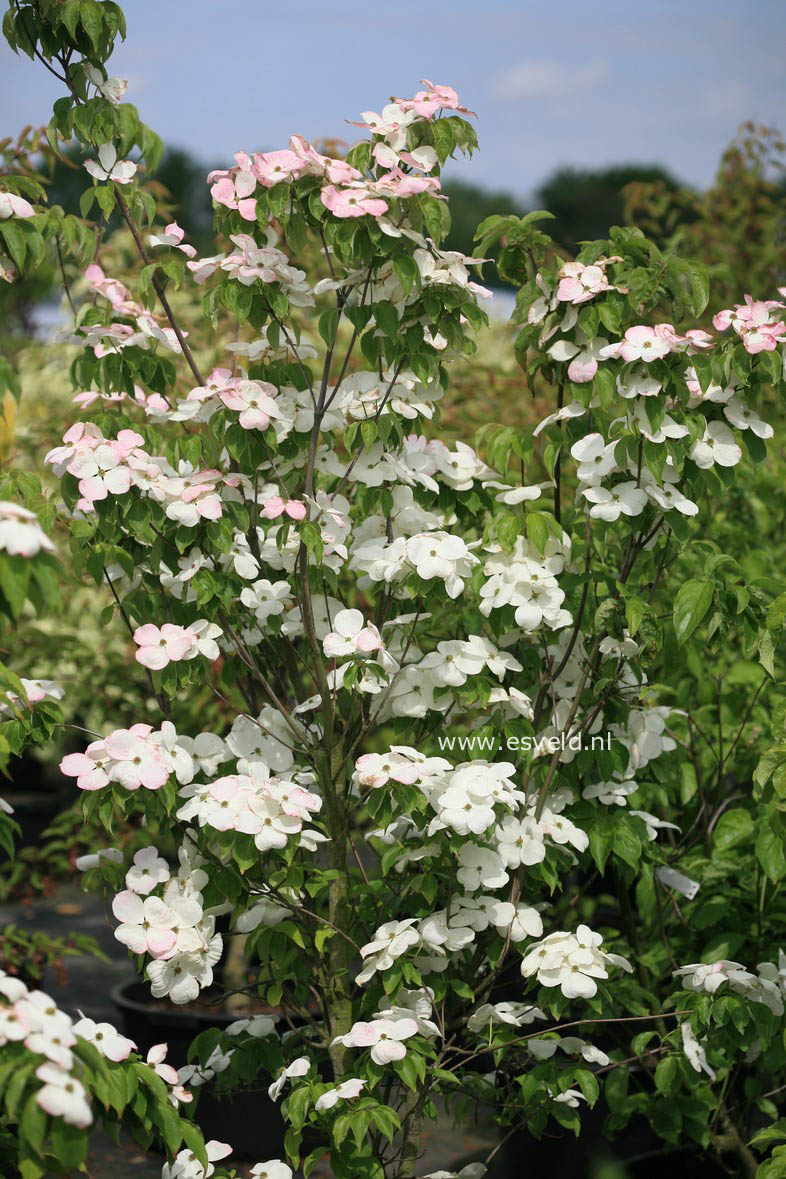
(584, 82)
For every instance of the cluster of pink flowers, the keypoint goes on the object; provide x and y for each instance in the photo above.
(653, 343)
(189, 496)
(253, 401)
(111, 466)
(250, 262)
(271, 809)
(103, 466)
(579, 283)
(107, 338)
(174, 929)
(159, 646)
(346, 192)
(754, 323)
(133, 757)
(151, 403)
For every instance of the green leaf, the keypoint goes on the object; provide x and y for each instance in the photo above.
(733, 827)
(634, 612)
(769, 852)
(666, 1074)
(693, 600)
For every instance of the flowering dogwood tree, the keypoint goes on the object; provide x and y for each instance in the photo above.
(441, 815)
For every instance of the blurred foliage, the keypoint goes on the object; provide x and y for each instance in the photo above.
(27, 955)
(586, 202)
(737, 227)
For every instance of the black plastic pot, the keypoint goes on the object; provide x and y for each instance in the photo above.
(246, 1119)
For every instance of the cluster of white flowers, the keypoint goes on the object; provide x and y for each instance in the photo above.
(173, 928)
(527, 581)
(571, 961)
(430, 555)
(768, 987)
(270, 809)
(34, 1019)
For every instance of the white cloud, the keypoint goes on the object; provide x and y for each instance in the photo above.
(545, 80)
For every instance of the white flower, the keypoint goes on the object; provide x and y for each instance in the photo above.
(63, 1096)
(612, 793)
(390, 941)
(266, 598)
(109, 167)
(205, 634)
(20, 532)
(527, 922)
(511, 1013)
(93, 859)
(258, 1027)
(113, 89)
(744, 418)
(106, 1038)
(595, 458)
(716, 445)
(188, 1166)
(471, 1171)
(272, 1169)
(609, 503)
(441, 555)
(148, 870)
(520, 841)
(697, 1057)
(383, 1036)
(351, 635)
(343, 1092)
(480, 867)
(298, 1068)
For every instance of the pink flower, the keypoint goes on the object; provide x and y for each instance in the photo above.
(428, 102)
(172, 236)
(204, 267)
(233, 190)
(112, 289)
(762, 337)
(274, 166)
(88, 767)
(254, 400)
(642, 343)
(275, 506)
(752, 321)
(12, 205)
(156, 1060)
(579, 283)
(352, 202)
(400, 184)
(136, 761)
(159, 646)
(146, 926)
